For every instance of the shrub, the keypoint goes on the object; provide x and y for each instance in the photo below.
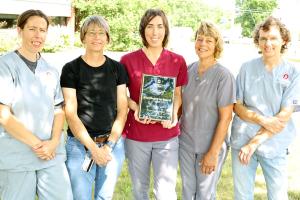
(58, 38)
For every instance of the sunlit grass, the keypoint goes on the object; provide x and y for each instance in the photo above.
(224, 191)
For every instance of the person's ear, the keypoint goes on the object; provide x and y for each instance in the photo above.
(19, 30)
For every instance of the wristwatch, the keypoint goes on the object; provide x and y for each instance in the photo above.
(111, 144)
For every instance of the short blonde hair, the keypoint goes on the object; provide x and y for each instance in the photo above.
(209, 29)
(96, 20)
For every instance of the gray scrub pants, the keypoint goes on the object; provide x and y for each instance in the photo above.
(195, 185)
(51, 183)
(164, 158)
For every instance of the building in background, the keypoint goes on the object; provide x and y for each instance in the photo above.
(60, 11)
(61, 33)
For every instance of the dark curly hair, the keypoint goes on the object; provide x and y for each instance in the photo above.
(265, 26)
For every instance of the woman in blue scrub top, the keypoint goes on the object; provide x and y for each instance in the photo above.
(32, 153)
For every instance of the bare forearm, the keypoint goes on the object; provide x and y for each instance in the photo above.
(132, 104)
(58, 124)
(79, 131)
(274, 124)
(247, 115)
(225, 117)
(263, 134)
(210, 159)
(16, 129)
(118, 126)
(122, 109)
(285, 114)
(219, 136)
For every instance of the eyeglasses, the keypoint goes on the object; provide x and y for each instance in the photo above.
(95, 33)
(272, 40)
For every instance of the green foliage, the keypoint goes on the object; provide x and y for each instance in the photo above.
(252, 12)
(56, 40)
(7, 44)
(77, 41)
(124, 17)
(56, 43)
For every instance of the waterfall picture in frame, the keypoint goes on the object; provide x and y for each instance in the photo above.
(157, 97)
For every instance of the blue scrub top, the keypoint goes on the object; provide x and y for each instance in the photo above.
(32, 98)
(266, 93)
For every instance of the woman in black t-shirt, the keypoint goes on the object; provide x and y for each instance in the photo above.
(94, 88)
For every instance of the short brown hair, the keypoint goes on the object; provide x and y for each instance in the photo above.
(22, 19)
(209, 29)
(265, 26)
(147, 17)
(96, 20)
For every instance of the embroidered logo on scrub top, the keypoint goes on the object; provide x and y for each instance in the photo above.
(49, 81)
(284, 80)
(49, 78)
(285, 76)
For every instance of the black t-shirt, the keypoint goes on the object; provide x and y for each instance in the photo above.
(96, 91)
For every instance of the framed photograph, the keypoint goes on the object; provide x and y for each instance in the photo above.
(157, 97)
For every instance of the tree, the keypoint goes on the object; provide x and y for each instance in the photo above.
(123, 16)
(252, 12)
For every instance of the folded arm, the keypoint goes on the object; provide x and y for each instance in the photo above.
(269, 126)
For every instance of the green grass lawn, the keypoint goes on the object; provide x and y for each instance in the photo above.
(224, 192)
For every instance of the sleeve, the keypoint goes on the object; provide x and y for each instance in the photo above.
(68, 76)
(124, 63)
(182, 77)
(58, 96)
(291, 95)
(240, 81)
(122, 77)
(226, 90)
(7, 82)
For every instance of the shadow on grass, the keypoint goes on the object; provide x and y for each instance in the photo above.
(224, 190)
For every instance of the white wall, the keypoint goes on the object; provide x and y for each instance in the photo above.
(49, 7)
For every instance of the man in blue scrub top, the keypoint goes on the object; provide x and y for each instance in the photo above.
(267, 95)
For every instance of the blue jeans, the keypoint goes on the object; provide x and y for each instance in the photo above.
(105, 178)
(274, 171)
